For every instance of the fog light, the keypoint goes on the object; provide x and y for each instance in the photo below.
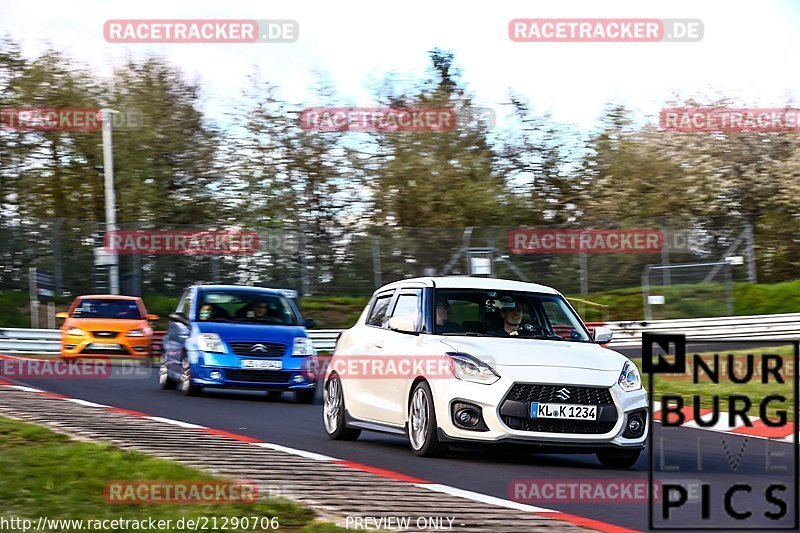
(140, 348)
(468, 417)
(298, 378)
(216, 374)
(636, 425)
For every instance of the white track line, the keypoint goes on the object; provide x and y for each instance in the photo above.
(483, 498)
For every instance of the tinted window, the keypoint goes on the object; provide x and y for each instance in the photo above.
(378, 312)
(245, 306)
(107, 308)
(408, 307)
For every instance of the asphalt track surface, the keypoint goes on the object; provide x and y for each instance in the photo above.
(487, 470)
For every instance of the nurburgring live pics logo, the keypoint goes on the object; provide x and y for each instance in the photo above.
(754, 486)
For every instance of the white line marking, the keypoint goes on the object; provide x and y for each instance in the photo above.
(24, 389)
(294, 451)
(484, 498)
(87, 404)
(178, 423)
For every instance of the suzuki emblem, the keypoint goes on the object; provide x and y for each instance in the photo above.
(563, 394)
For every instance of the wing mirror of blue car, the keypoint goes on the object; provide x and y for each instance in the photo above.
(602, 334)
(310, 323)
(179, 317)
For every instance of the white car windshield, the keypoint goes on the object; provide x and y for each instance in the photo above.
(478, 312)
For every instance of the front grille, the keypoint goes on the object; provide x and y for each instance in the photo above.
(105, 334)
(258, 349)
(94, 351)
(559, 426)
(522, 392)
(259, 376)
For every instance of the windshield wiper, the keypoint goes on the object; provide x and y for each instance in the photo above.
(466, 334)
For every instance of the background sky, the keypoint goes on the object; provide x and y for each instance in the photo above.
(749, 51)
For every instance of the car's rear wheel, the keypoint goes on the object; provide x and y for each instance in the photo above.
(422, 426)
(164, 381)
(188, 388)
(305, 396)
(333, 411)
(618, 459)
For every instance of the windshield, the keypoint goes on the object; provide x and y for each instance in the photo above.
(107, 308)
(246, 306)
(506, 314)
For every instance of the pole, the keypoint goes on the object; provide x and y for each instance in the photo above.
(33, 297)
(584, 260)
(751, 255)
(51, 315)
(666, 277)
(111, 207)
(376, 261)
(57, 273)
(648, 315)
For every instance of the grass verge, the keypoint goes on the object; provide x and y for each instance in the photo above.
(48, 474)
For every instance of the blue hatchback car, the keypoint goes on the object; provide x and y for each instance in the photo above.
(238, 337)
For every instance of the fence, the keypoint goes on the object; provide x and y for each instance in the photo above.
(347, 263)
(626, 334)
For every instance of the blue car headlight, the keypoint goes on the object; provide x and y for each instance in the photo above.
(303, 346)
(210, 342)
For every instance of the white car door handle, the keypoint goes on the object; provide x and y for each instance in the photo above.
(378, 344)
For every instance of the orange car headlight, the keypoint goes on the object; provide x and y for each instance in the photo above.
(76, 332)
(135, 333)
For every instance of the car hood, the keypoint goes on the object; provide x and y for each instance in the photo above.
(538, 353)
(105, 324)
(252, 332)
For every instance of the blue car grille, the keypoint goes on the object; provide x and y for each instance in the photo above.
(258, 349)
(259, 376)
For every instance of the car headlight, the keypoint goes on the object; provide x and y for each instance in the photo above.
(629, 379)
(135, 333)
(303, 346)
(469, 368)
(210, 342)
(75, 331)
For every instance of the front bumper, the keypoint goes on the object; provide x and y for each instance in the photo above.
(497, 427)
(74, 346)
(294, 374)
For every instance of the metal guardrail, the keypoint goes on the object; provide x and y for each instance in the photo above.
(47, 341)
(626, 333)
(785, 326)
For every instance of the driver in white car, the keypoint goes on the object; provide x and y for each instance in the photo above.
(512, 318)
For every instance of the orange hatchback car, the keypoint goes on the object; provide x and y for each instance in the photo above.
(106, 325)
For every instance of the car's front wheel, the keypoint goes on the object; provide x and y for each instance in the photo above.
(188, 388)
(164, 381)
(618, 459)
(422, 426)
(333, 411)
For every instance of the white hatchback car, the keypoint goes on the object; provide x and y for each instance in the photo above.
(476, 360)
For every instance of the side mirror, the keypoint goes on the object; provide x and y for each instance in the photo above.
(62, 314)
(152, 317)
(310, 323)
(178, 317)
(602, 334)
(402, 324)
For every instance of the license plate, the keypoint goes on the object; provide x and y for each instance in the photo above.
(99, 346)
(262, 364)
(563, 411)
